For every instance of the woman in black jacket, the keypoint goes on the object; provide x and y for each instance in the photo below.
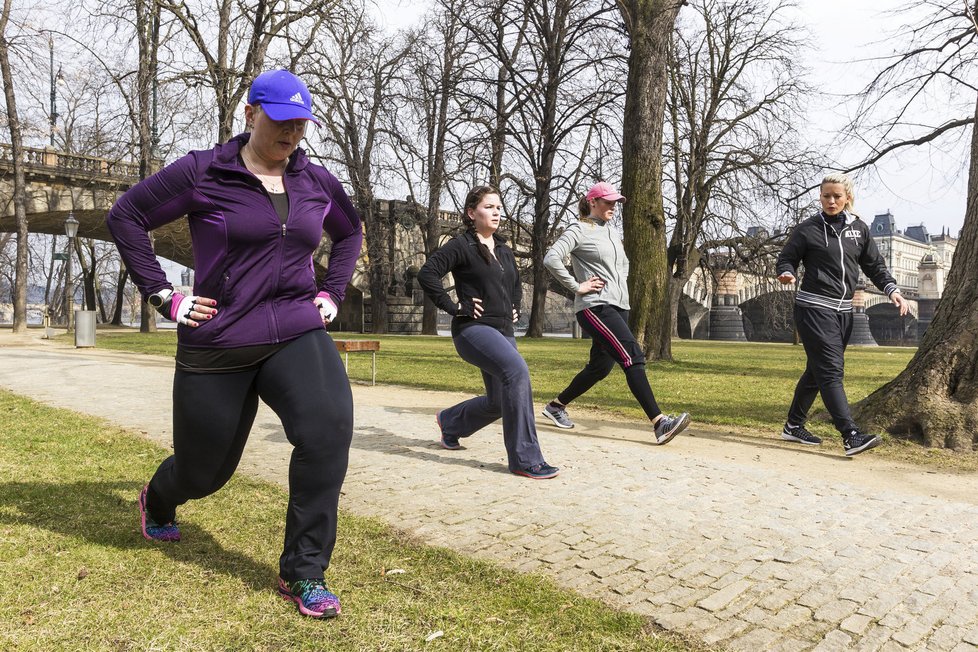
(833, 246)
(489, 292)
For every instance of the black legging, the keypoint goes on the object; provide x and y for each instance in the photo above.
(611, 342)
(307, 387)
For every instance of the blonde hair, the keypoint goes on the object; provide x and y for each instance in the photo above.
(846, 182)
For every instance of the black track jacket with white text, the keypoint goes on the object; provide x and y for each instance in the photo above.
(832, 255)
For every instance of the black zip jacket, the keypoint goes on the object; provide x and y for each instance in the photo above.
(833, 252)
(497, 283)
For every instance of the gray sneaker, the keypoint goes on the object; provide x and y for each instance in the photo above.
(668, 427)
(558, 416)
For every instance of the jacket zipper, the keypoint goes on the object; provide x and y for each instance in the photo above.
(273, 320)
(842, 264)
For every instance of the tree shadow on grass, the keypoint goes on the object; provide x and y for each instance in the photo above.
(105, 514)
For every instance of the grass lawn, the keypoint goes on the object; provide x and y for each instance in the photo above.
(743, 387)
(735, 384)
(77, 574)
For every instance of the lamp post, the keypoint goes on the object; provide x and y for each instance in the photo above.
(54, 99)
(71, 230)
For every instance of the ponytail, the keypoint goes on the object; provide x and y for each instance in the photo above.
(584, 207)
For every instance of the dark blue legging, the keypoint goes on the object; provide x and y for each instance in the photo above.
(307, 387)
(508, 395)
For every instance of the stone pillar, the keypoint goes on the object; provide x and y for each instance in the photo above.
(930, 289)
(726, 320)
(403, 315)
(861, 335)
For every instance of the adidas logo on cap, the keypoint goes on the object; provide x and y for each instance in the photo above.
(296, 98)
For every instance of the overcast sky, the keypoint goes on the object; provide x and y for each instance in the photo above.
(924, 187)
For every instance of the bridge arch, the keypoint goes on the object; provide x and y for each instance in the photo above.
(692, 319)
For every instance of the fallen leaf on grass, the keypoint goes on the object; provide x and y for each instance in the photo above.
(82, 573)
(493, 619)
(395, 571)
(433, 635)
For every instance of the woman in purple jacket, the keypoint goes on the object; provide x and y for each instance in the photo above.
(254, 327)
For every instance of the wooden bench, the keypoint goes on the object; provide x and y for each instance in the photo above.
(346, 347)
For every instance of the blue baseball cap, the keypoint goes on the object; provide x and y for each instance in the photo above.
(282, 96)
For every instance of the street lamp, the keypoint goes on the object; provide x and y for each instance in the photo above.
(71, 230)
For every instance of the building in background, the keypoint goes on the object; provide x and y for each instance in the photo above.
(919, 262)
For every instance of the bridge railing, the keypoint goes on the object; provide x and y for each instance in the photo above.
(46, 159)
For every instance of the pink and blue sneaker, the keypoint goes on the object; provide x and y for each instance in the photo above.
(311, 597)
(152, 530)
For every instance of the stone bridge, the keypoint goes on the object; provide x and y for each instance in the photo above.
(60, 183)
(729, 305)
(733, 305)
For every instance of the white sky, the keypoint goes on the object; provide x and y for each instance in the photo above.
(922, 187)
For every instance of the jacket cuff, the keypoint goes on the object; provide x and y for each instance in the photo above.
(891, 288)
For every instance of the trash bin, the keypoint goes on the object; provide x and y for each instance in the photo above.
(84, 328)
(46, 320)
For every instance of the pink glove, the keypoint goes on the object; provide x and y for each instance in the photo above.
(180, 308)
(327, 309)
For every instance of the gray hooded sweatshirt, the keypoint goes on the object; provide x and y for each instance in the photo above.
(595, 250)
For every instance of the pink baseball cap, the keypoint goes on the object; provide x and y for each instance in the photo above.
(604, 191)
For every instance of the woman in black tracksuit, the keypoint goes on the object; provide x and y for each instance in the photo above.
(833, 246)
(489, 292)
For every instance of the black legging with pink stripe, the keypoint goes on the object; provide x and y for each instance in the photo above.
(611, 342)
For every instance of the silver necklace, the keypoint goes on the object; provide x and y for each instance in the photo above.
(272, 183)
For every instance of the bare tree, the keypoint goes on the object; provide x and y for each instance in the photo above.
(935, 399)
(436, 69)
(650, 24)
(20, 182)
(543, 90)
(233, 39)
(353, 73)
(734, 105)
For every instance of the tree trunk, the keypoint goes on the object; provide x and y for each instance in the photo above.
(538, 249)
(934, 401)
(675, 299)
(50, 279)
(120, 294)
(650, 24)
(432, 233)
(20, 182)
(684, 269)
(147, 30)
(378, 256)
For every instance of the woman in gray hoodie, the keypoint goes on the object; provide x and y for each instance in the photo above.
(600, 291)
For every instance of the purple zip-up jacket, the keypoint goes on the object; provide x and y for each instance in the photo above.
(259, 270)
